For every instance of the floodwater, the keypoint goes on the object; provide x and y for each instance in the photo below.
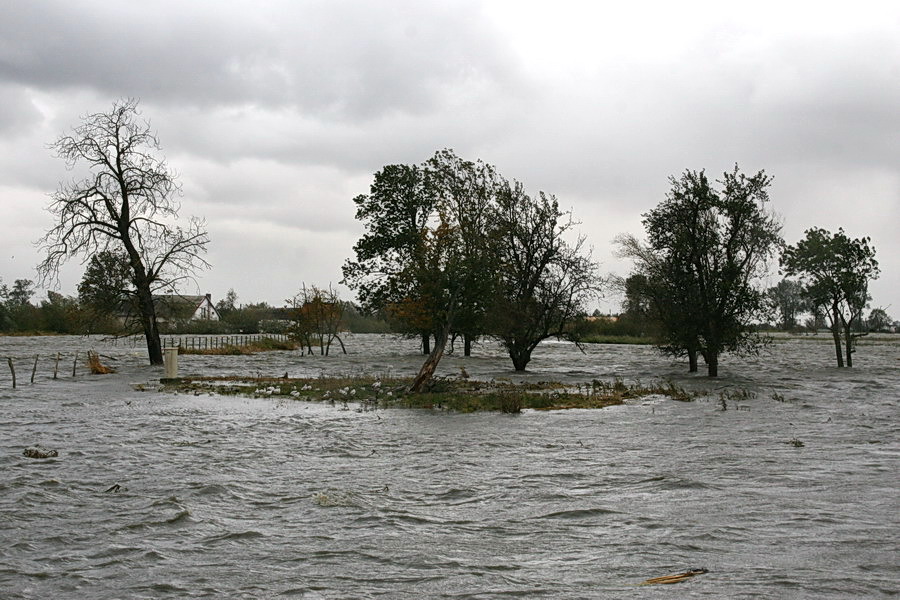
(790, 492)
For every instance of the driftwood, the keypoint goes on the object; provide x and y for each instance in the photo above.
(676, 578)
(96, 367)
(39, 452)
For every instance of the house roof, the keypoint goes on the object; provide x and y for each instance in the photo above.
(178, 306)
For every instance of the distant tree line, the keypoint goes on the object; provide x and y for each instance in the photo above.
(452, 250)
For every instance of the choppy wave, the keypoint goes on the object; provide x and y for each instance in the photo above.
(791, 492)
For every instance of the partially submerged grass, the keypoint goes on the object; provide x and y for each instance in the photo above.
(454, 395)
(260, 345)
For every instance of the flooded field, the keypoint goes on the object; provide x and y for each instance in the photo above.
(790, 492)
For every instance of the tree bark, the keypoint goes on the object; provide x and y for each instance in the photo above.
(427, 370)
(848, 341)
(149, 325)
(426, 344)
(712, 363)
(467, 345)
(692, 361)
(520, 359)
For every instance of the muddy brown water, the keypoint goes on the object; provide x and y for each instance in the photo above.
(791, 492)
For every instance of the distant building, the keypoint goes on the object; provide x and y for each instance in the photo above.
(180, 308)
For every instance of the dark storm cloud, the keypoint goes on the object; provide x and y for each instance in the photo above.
(338, 60)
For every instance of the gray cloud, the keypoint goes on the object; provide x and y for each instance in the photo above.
(276, 114)
(336, 60)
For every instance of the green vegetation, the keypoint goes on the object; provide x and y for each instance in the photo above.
(700, 269)
(454, 395)
(452, 248)
(835, 271)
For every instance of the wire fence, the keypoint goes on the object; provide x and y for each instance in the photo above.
(61, 365)
(211, 342)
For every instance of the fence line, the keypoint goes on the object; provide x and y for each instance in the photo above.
(211, 342)
(36, 360)
(188, 342)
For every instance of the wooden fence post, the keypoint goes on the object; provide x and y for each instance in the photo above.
(34, 368)
(56, 366)
(74, 363)
(12, 370)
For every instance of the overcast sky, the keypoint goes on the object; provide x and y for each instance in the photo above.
(276, 114)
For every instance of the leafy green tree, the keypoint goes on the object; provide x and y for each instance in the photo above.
(707, 249)
(879, 321)
(391, 255)
(19, 313)
(5, 320)
(543, 282)
(127, 204)
(835, 271)
(105, 288)
(423, 255)
(670, 297)
(227, 304)
(61, 314)
(788, 300)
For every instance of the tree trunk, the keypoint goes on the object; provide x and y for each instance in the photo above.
(426, 344)
(848, 341)
(520, 359)
(467, 345)
(440, 342)
(427, 370)
(149, 325)
(836, 334)
(692, 361)
(712, 363)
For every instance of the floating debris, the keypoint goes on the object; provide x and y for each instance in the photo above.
(676, 578)
(39, 452)
(96, 367)
(149, 386)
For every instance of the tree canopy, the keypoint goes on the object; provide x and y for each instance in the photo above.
(453, 247)
(835, 270)
(707, 249)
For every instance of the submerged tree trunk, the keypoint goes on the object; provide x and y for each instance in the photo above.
(836, 334)
(149, 325)
(426, 344)
(848, 342)
(520, 359)
(467, 345)
(712, 363)
(692, 361)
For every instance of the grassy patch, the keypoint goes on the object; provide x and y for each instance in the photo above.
(454, 395)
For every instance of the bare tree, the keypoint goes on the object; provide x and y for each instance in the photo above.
(127, 203)
(318, 318)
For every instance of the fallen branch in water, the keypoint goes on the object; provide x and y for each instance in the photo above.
(676, 578)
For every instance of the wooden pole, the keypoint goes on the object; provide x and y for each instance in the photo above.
(34, 368)
(12, 370)
(74, 363)
(56, 366)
